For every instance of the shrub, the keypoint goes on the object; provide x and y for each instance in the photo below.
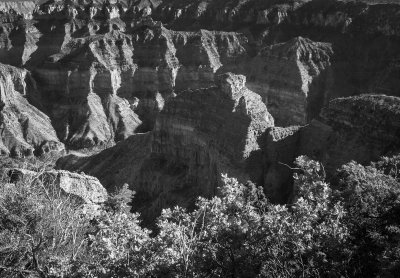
(351, 231)
(117, 245)
(48, 234)
(372, 200)
(39, 228)
(241, 234)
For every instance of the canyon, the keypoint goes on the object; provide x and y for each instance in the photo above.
(170, 95)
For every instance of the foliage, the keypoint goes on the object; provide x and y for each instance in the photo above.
(48, 234)
(389, 166)
(351, 229)
(38, 227)
(372, 200)
(241, 234)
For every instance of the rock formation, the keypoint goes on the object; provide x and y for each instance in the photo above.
(24, 129)
(362, 128)
(153, 78)
(83, 188)
(365, 128)
(104, 69)
(198, 136)
(294, 79)
(135, 73)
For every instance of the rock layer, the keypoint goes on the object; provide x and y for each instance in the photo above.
(24, 129)
(362, 128)
(105, 69)
(85, 189)
(199, 135)
(294, 79)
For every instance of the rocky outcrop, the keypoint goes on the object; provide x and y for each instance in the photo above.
(108, 71)
(229, 131)
(223, 14)
(134, 73)
(362, 128)
(83, 188)
(105, 69)
(366, 128)
(23, 8)
(24, 129)
(294, 79)
(199, 135)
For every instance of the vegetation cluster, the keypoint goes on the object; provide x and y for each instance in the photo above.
(347, 227)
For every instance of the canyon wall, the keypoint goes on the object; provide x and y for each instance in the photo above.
(361, 128)
(104, 69)
(200, 135)
(24, 129)
(179, 92)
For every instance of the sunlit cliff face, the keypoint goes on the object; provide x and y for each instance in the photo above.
(215, 86)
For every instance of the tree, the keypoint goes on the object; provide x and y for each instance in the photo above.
(372, 201)
(241, 234)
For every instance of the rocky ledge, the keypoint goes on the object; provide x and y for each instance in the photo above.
(198, 136)
(104, 69)
(84, 189)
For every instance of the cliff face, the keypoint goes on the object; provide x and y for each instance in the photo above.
(135, 73)
(198, 136)
(153, 76)
(24, 129)
(294, 79)
(366, 128)
(105, 69)
(362, 128)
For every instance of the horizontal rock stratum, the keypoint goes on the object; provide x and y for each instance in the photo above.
(178, 92)
(104, 70)
(198, 136)
(24, 129)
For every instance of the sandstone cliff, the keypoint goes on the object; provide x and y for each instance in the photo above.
(24, 129)
(151, 76)
(104, 69)
(198, 136)
(362, 128)
(294, 79)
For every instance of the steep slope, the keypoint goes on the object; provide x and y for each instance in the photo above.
(104, 69)
(362, 128)
(142, 69)
(366, 128)
(24, 129)
(294, 78)
(199, 135)
(108, 71)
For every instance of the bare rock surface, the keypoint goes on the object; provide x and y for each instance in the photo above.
(85, 188)
(366, 128)
(294, 79)
(361, 128)
(186, 90)
(24, 129)
(104, 69)
(199, 135)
